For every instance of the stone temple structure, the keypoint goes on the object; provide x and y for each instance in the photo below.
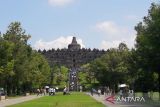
(73, 58)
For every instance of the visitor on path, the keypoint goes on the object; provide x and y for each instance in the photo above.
(121, 93)
(99, 92)
(80, 88)
(106, 91)
(111, 91)
(65, 91)
(131, 93)
(54, 91)
(50, 91)
(38, 92)
(44, 91)
(47, 89)
(41, 91)
(92, 91)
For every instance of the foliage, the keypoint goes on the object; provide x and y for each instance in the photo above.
(109, 70)
(86, 77)
(60, 78)
(147, 48)
(21, 68)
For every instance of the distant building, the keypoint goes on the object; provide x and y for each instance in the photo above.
(73, 58)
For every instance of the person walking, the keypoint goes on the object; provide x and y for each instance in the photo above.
(99, 92)
(44, 91)
(38, 92)
(65, 91)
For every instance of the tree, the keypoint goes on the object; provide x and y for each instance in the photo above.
(86, 77)
(21, 67)
(147, 47)
(59, 76)
(112, 68)
(6, 62)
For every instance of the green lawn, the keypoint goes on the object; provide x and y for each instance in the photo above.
(59, 100)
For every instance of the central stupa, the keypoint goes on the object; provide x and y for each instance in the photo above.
(74, 45)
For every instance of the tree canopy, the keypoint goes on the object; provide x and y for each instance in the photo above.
(21, 67)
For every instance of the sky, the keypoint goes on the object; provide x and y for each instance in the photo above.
(101, 24)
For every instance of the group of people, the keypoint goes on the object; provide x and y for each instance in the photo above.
(102, 90)
(94, 91)
(51, 91)
(124, 92)
(46, 91)
(106, 91)
(41, 91)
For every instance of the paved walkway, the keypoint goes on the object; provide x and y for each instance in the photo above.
(108, 104)
(13, 101)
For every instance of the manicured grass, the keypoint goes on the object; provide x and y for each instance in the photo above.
(59, 100)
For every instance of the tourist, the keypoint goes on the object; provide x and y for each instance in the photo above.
(54, 91)
(47, 89)
(99, 92)
(92, 91)
(121, 93)
(50, 91)
(38, 92)
(65, 91)
(80, 88)
(44, 91)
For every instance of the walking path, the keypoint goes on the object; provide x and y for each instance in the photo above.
(13, 101)
(102, 98)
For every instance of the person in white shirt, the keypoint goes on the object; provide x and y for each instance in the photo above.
(99, 92)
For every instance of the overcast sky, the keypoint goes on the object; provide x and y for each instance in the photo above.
(96, 23)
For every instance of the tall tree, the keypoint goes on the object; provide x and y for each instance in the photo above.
(148, 46)
(112, 68)
(21, 68)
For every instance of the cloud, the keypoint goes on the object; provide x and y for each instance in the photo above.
(111, 29)
(60, 3)
(132, 17)
(107, 27)
(61, 42)
(115, 43)
(115, 34)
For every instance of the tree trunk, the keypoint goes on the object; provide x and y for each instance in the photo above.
(159, 84)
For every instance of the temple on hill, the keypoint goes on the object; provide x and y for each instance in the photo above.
(73, 58)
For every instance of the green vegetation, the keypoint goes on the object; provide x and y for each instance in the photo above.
(21, 68)
(59, 76)
(147, 50)
(138, 67)
(109, 70)
(73, 100)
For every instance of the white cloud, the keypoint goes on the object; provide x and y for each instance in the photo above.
(61, 42)
(109, 44)
(111, 29)
(115, 43)
(60, 2)
(107, 27)
(115, 34)
(132, 17)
